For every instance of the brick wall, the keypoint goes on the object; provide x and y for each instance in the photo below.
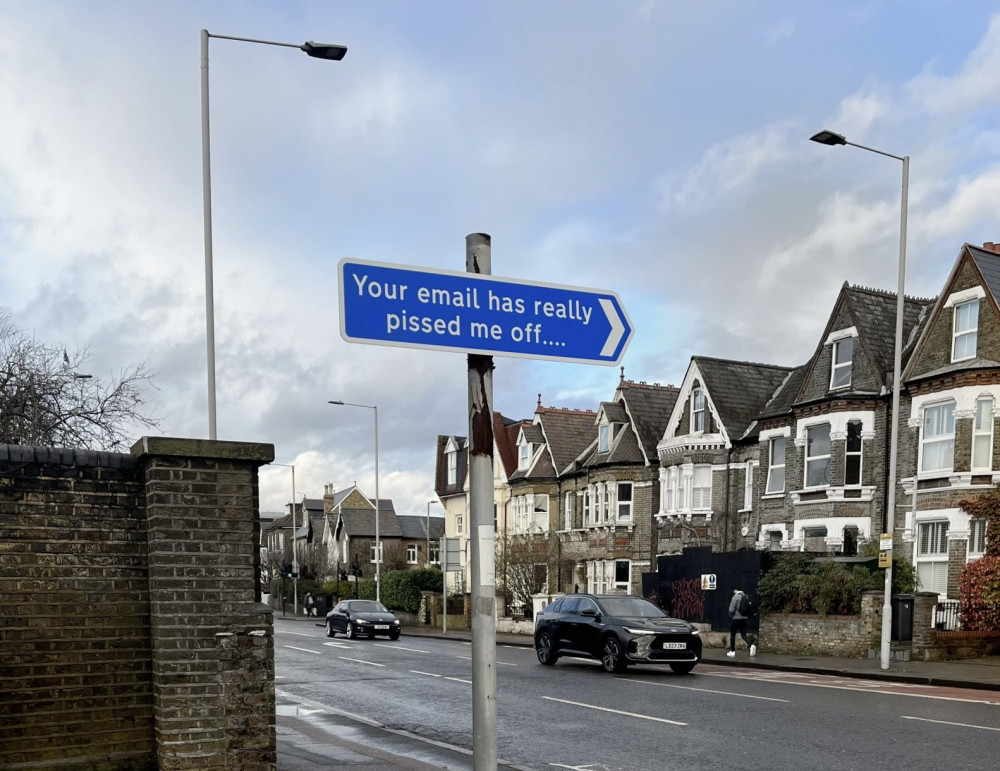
(130, 635)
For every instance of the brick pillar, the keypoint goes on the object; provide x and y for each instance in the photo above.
(212, 642)
(924, 634)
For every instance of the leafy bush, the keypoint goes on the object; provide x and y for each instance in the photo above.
(799, 583)
(346, 590)
(979, 581)
(401, 588)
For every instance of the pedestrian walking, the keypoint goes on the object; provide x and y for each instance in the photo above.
(740, 609)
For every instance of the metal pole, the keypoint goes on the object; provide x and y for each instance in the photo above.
(483, 540)
(206, 187)
(295, 554)
(890, 509)
(429, 533)
(378, 543)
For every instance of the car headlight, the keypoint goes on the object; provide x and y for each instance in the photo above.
(361, 622)
(396, 621)
(695, 631)
(639, 631)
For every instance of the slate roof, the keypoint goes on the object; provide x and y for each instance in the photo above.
(649, 407)
(874, 313)
(988, 263)
(739, 390)
(360, 523)
(441, 486)
(414, 527)
(505, 431)
(782, 401)
(567, 433)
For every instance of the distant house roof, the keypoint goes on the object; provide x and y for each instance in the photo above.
(739, 389)
(414, 527)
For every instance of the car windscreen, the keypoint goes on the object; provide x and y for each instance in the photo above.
(631, 607)
(367, 606)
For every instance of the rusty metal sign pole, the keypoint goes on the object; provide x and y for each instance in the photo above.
(483, 539)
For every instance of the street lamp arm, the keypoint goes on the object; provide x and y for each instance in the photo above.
(330, 51)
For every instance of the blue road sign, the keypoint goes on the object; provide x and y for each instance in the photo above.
(452, 311)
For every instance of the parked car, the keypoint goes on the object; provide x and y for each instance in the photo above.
(362, 617)
(617, 630)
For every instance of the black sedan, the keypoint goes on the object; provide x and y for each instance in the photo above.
(617, 630)
(361, 617)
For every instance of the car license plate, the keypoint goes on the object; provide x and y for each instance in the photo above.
(674, 646)
(381, 626)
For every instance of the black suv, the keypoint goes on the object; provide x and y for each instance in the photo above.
(617, 630)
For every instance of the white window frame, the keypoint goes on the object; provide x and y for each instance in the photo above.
(587, 513)
(452, 457)
(931, 562)
(837, 367)
(459, 524)
(568, 511)
(614, 580)
(773, 467)
(434, 557)
(373, 552)
(603, 437)
(697, 410)
(809, 460)
(523, 456)
(540, 512)
(624, 507)
(982, 430)
(411, 554)
(701, 487)
(859, 453)
(942, 438)
(748, 487)
(965, 330)
(977, 537)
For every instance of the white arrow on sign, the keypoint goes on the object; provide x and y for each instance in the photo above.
(617, 328)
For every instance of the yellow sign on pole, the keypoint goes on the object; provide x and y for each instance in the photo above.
(885, 559)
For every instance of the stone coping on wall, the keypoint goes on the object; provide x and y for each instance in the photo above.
(166, 446)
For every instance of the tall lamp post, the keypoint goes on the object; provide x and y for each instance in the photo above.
(429, 532)
(378, 542)
(295, 558)
(830, 138)
(315, 50)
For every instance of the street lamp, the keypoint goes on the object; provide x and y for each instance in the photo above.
(295, 558)
(316, 51)
(429, 532)
(830, 138)
(378, 542)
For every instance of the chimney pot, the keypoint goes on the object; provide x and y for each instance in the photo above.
(991, 247)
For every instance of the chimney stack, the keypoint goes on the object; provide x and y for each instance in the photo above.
(991, 247)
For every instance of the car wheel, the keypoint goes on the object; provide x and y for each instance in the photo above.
(612, 655)
(545, 649)
(352, 631)
(394, 634)
(329, 630)
(683, 668)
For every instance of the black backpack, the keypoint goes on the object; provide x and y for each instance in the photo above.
(745, 607)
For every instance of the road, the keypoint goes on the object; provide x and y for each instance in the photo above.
(413, 696)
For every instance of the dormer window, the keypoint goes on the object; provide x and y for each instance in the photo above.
(604, 437)
(966, 331)
(523, 456)
(452, 467)
(840, 371)
(697, 410)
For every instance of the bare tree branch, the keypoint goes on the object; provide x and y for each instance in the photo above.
(47, 398)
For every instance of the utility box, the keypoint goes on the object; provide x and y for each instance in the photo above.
(902, 617)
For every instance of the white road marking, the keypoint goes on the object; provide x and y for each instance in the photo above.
(498, 663)
(948, 722)
(459, 680)
(300, 634)
(304, 650)
(340, 645)
(858, 686)
(429, 674)
(401, 648)
(701, 690)
(613, 711)
(362, 661)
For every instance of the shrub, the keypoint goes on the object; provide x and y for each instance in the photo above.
(401, 588)
(799, 583)
(979, 581)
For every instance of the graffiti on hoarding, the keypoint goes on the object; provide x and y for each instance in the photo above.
(689, 601)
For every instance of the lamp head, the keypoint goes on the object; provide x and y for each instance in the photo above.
(324, 50)
(825, 137)
(337, 402)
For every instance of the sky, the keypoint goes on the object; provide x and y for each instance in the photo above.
(659, 150)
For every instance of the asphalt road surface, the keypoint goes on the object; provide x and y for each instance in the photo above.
(414, 697)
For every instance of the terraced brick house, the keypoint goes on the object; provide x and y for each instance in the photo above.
(546, 451)
(824, 439)
(609, 493)
(948, 425)
(451, 485)
(709, 457)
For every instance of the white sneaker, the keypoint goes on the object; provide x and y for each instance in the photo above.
(731, 654)
(753, 650)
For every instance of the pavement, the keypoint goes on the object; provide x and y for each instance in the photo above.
(305, 745)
